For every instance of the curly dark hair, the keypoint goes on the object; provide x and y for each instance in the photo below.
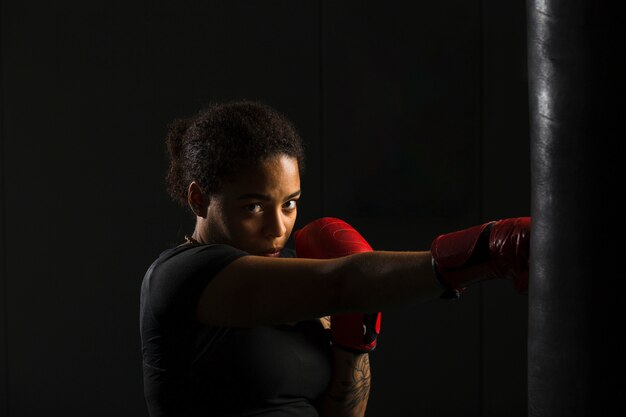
(214, 143)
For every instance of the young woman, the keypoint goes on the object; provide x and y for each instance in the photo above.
(233, 324)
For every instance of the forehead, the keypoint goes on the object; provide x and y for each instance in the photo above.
(273, 176)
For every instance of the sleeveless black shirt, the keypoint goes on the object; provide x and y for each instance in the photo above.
(191, 369)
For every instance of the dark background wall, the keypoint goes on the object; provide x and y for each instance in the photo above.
(415, 120)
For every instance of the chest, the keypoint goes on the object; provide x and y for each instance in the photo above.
(267, 363)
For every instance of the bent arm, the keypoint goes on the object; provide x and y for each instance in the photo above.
(349, 389)
(255, 290)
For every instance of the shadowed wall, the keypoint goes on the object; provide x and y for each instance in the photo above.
(415, 121)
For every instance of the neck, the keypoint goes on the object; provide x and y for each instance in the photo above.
(200, 232)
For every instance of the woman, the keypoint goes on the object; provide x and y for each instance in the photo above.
(233, 325)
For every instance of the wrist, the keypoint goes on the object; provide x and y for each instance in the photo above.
(355, 332)
(350, 350)
(340, 353)
(448, 293)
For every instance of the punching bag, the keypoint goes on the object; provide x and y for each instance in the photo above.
(576, 90)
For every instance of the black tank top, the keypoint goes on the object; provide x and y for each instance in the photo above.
(191, 369)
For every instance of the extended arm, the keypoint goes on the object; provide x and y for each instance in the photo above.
(257, 290)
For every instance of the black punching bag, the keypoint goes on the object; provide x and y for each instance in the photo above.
(576, 354)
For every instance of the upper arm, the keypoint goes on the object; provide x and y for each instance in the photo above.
(258, 290)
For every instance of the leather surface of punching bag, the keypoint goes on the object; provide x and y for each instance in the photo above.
(576, 91)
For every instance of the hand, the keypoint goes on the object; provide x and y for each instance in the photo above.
(354, 332)
(497, 249)
(332, 238)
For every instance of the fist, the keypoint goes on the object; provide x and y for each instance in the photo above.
(497, 249)
(333, 238)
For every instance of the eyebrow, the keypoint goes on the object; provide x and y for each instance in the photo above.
(264, 197)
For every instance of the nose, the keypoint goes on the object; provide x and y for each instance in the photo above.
(275, 224)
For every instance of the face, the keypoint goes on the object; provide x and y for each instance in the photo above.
(257, 209)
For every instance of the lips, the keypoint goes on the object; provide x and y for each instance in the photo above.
(273, 252)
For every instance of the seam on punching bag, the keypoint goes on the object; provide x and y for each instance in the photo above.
(4, 367)
(481, 133)
(321, 117)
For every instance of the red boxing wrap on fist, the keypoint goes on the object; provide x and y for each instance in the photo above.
(333, 238)
(497, 249)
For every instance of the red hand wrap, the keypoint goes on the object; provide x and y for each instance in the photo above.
(333, 238)
(493, 250)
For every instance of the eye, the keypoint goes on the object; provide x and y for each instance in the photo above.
(290, 205)
(253, 208)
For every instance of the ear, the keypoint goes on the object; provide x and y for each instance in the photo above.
(198, 201)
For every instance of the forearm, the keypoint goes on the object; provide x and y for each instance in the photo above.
(349, 389)
(375, 280)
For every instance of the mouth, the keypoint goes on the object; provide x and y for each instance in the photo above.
(272, 252)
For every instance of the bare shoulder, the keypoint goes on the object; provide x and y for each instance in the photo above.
(325, 322)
